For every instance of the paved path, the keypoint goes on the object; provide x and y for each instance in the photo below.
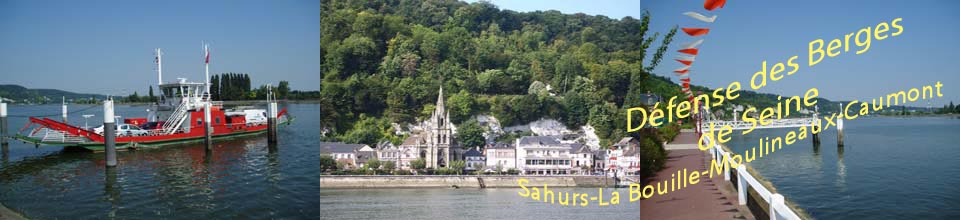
(712, 198)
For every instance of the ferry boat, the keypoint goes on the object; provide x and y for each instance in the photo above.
(176, 117)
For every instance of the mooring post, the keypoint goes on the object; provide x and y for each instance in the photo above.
(3, 124)
(3, 130)
(63, 107)
(109, 133)
(207, 130)
(272, 122)
(840, 131)
(816, 127)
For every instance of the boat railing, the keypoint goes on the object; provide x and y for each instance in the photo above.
(744, 180)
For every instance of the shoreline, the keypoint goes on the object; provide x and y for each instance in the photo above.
(459, 181)
(9, 214)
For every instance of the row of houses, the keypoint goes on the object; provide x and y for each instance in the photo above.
(531, 155)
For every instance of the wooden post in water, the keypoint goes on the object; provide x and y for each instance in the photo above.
(207, 130)
(109, 133)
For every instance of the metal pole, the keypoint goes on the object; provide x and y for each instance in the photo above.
(272, 123)
(109, 133)
(207, 130)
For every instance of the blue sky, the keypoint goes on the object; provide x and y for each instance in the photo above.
(749, 32)
(106, 47)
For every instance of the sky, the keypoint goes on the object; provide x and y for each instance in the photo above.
(748, 32)
(107, 47)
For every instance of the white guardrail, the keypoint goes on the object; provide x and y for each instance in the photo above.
(777, 208)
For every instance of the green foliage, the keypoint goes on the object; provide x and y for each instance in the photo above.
(460, 106)
(577, 108)
(283, 89)
(133, 97)
(653, 156)
(418, 164)
(387, 59)
(327, 163)
(370, 131)
(512, 136)
(470, 134)
(372, 164)
(151, 97)
(389, 165)
(669, 131)
(458, 166)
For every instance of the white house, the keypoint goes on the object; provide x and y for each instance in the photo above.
(544, 155)
(345, 153)
(624, 157)
(501, 155)
(582, 158)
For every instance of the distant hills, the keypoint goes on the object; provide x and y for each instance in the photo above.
(20, 94)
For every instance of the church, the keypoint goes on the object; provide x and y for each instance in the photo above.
(435, 142)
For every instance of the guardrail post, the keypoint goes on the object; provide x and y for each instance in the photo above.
(726, 166)
(741, 185)
(776, 200)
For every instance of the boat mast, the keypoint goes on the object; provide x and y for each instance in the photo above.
(159, 68)
(159, 62)
(206, 70)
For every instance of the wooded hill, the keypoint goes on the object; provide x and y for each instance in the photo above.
(384, 61)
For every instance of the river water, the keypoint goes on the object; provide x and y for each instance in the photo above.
(889, 168)
(465, 203)
(243, 179)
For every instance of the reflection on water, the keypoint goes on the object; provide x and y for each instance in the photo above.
(237, 179)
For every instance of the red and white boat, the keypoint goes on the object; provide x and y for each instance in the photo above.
(176, 117)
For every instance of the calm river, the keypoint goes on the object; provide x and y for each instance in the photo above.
(464, 203)
(243, 179)
(889, 168)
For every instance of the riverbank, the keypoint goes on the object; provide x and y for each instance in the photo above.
(460, 181)
(7, 214)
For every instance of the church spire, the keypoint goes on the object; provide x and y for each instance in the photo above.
(440, 98)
